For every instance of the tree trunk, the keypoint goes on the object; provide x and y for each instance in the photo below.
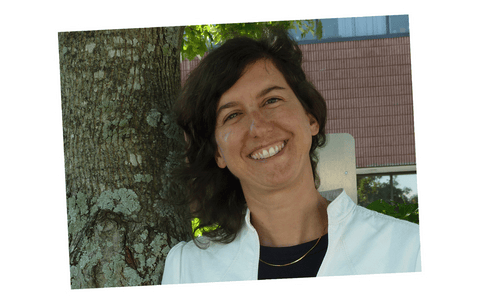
(120, 146)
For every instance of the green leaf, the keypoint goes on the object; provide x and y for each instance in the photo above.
(198, 39)
(199, 231)
(402, 211)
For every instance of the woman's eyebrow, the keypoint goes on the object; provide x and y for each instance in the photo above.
(268, 89)
(227, 105)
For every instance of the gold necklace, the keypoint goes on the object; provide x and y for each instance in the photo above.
(280, 265)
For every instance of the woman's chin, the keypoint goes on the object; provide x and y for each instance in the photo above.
(274, 180)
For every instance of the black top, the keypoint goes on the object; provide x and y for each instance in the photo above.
(307, 267)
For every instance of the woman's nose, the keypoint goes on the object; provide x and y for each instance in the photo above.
(259, 125)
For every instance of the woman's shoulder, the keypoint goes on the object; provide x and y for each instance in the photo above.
(190, 249)
(373, 242)
(181, 256)
(343, 210)
(384, 221)
(186, 262)
(384, 234)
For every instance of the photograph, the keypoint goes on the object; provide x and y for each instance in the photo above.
(240, 151)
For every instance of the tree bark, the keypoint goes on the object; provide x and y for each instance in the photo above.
(120, 145)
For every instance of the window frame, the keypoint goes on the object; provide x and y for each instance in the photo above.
(355, 38)
(387, 171)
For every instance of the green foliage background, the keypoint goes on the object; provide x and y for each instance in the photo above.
(371, 188)
(372, 193)
(199, 39)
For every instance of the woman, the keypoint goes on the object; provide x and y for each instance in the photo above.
(252, 123)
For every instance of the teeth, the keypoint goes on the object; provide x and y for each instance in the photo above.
(272, 151)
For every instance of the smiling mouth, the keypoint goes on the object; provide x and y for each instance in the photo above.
(270, 152)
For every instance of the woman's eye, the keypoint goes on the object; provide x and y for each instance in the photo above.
(272, 100)
(231, 116)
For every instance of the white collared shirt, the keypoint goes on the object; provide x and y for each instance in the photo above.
(360, 241)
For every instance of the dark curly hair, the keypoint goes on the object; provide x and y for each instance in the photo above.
(215, 195)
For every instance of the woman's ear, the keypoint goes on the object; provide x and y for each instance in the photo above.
(314, 126)
(220, 159)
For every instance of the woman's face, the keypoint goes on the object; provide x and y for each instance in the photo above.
(262, 131)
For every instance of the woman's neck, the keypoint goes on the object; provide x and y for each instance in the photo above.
(288, 217)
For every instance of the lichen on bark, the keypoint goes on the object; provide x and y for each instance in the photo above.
(120, 147)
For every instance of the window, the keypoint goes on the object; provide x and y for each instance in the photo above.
(363, 26)
(345, 29)
(398, 24)
(393, 188)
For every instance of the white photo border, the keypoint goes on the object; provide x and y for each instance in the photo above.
(411, 11)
